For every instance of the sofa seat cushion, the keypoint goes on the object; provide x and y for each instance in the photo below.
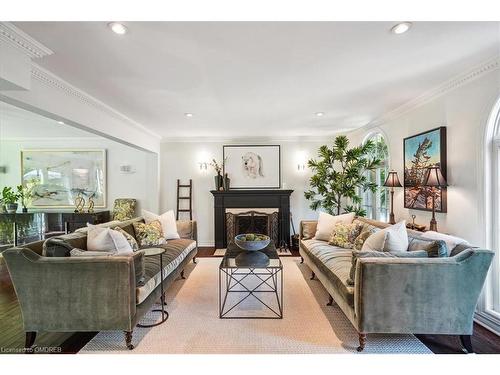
(175, 252)
(335, 263)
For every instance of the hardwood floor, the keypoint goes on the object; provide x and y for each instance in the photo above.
(12, 334)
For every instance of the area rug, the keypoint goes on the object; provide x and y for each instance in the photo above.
(308, 325)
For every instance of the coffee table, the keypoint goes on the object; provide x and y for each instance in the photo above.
(244, 276)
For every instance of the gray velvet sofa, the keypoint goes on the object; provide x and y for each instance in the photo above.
(400, 295)
(58, 293)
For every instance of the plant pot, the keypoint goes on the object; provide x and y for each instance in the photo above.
(11, 208)
(219, 181)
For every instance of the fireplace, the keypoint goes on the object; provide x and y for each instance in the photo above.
(265, 209)
(261, 221)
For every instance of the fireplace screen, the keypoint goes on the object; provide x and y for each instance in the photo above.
(252, 222)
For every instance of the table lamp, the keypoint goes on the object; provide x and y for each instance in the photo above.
(392, 181)
(433, 178)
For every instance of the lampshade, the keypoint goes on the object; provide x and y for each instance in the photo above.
(392, 180)
(434, 177)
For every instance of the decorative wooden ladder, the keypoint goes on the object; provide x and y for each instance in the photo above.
(181, 198)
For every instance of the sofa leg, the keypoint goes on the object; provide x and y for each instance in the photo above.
(313, 275)
(301, 260)
(330, 301)
(194, 260)
(30, 340)
(128, 340)
(182, 275)
(467, 343)
(362, 342)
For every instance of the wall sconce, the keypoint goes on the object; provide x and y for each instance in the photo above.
(203, 166)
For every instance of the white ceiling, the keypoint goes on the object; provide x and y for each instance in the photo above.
(17, 123)
(257, 79)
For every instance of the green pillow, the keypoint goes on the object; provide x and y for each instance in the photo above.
(435, 248)
(381, 254)
(344, 235)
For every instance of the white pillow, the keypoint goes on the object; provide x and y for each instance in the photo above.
(167, 221)
(107, 239)
(397, 237)
(393, 238)
(326, 224)
(451, 241)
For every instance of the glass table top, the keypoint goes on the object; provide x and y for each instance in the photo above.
(238, 258)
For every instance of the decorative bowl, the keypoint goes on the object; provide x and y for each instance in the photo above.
(252, 241)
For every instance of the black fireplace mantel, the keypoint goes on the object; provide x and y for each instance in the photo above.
(279, 199)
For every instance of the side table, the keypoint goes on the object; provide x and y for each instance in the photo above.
(164, 314)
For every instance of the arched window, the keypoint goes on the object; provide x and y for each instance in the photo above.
(489, 306)
(375, 204)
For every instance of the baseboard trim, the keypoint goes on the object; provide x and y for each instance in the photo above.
(487, 322)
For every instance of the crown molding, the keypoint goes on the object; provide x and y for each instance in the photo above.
(253, 140)
(460, 80)
(22, 41)
(45, 77)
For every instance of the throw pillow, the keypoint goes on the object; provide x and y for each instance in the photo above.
(83, 253)
(365, 233)
(451, 241)
(150, 234)
(326, 224)
(397, 237)
(124, 209)
(308, 230)
(435, 249)
(344, 235)
(379, 254)
(167, 220)
(130, 239)
(107, 239)
(393, 238)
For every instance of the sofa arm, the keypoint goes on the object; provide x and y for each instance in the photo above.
(419, 295)
(73, 294)
(307, 229)
(187, 229)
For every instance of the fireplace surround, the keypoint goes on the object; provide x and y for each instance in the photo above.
(252, 200)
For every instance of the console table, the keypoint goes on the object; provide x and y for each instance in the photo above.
(23, 227)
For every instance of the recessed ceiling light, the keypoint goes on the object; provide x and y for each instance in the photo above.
(401, 28)
(188, 114)
(60, 122)
(118, 28)
(319, 114)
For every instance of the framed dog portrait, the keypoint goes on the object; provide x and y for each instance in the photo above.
(253, 166)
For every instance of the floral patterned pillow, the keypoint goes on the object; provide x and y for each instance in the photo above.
(130, 239)
(149, 234)
(344, 235)
(124, 209)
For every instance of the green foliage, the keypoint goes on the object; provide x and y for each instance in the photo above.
(25, 192)
(9, 196)
(339, 174)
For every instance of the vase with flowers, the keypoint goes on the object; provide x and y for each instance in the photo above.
(219, 179)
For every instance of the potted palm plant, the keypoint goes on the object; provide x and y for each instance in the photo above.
(9, 199)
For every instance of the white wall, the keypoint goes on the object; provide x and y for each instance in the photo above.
(180, 160)
(464, 111)
(20, 129)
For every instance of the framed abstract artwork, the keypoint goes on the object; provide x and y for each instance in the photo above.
(420, 152)
(61, 175)
(253, 166)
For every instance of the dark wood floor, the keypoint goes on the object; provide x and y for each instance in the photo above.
(12, 335)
